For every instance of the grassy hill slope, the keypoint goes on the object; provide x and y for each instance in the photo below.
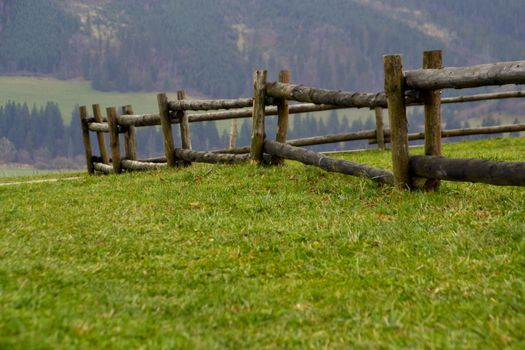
(244, 257)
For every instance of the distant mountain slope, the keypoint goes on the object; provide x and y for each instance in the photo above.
(212, 47)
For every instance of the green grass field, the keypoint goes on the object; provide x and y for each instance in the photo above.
(68, 93)
(213, 257)
(17, 172)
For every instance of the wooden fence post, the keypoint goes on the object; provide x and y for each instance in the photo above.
(114, 139)
(130, 136)
(395, 90)
(85, 139)
(380, 128)
(167, 133)
(234, 133)
(259, 97)
(97, 114)
(282, 121)
(185, 135)
(432, 103)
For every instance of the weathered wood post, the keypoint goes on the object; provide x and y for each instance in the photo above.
(167, 133)
(283, 114)
(85, 138)
(234, 133)
(97, 114)
(185, 135)
(432, 103)
(130, 136)
(380, 128)
(259, 97)
(114, 139)
(395, 91)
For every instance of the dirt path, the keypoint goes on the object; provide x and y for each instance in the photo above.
(39, 181)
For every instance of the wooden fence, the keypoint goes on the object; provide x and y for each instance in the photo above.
(402, 89)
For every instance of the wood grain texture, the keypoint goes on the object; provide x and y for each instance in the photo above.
(134, 165)
(167, 132)
(130, 136)
(380, 128)
(259, 100)
(500, 73)
(114, 143)
(347, 99)
(97, 114)
(485, 130)
(283, 113)
(210, 157)
(394, 87)
(469, 170)
(205, 105)
(329, 164)
(88, 151)
(432, 108)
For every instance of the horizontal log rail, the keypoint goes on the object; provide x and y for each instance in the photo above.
(468, 170)
(485, 130)
(206, 105)
(153, 160)
(311, 141)
(140, 120)
(346, 99)
(98, 127)
(134, 165)
(329, 164)
(334, 138)
(209, 157)
(103, 168)
(483, 97)
(501, 73)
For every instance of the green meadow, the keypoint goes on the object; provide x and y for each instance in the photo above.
(246, 257)
(68, 93)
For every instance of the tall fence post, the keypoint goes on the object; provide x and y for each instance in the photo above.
(130, 136)
(395, 91)
(97, 114)
(283, 114)
(380, 128)
(85, 138)
(432, 103)
(259, 97)
(185, 135)
(114, 139)
(167, 132)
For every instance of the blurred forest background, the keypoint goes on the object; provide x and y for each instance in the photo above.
(210, 49)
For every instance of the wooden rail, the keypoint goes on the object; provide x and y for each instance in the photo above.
(206, 105)
(140, 120)
(210, 157)
(326, 163)
(314, 140)
(501, 73)
(485, 130)
(469, 170)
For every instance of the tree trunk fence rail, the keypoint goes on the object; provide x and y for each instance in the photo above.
(281, 98)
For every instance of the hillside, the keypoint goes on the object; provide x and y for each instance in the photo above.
(213, 257)
(211, 48)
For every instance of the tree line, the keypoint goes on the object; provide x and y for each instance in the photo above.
(39, 136)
